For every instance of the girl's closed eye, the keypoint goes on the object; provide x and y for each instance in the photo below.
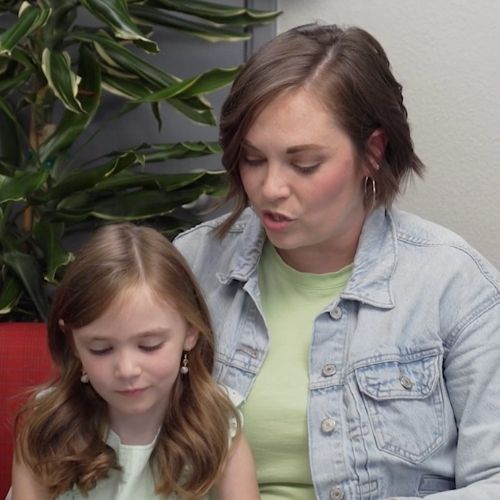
(151, 348)
(101, 351)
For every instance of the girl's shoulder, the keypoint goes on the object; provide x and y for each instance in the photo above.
(237, 399)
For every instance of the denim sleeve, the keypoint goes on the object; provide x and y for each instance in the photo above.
(472, 374)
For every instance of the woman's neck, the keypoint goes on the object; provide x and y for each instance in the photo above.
(319, 259)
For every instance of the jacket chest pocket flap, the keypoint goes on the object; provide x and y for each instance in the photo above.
(404, 403)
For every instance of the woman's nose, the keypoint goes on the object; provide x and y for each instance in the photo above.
(274, 183)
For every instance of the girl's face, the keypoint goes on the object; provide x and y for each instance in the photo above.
(303, 180)
(132, 355)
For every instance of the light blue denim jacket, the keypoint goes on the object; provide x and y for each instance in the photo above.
(404, 367)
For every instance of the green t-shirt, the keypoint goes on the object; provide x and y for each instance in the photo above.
(276, 410)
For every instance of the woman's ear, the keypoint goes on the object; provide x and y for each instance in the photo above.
(192, 335)
(375, 149)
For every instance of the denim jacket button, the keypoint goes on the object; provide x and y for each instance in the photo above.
(329, 370)
(336, 313)
(336, 493)
(328, 425)
(406, 382)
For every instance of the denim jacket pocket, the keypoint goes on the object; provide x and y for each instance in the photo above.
(404, 403)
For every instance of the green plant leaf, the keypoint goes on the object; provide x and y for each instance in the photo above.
(82, 179)
(7, 84)
(129, 89)
(7, 5)
(73, 124)
(26, 269)
(165, 182)
(205, 31)
(42, 173)
(20, 55)
(128, 205)
(115, 14)
(217, 13)
(7, 110)
(63, 82)
(30, 19)
(190, 109)
(194, 108)
(48, 236)
(20, 187)
(201, 84)
(9, 294)
(118, 55)
(162, 152)
(9, 136)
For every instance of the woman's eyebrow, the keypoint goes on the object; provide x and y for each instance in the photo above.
(291, 150)
(247, 144)
(303, 147)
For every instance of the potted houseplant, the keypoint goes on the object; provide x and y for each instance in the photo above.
(55, 73)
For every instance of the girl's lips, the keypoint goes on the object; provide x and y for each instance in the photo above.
(130, 393)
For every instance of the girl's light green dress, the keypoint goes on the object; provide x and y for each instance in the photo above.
(135, 480)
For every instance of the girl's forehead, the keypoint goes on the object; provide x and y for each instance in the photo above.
(136, 312)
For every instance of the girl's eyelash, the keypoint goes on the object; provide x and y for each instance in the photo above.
(145, 348)
(100, 352)
(150, 348)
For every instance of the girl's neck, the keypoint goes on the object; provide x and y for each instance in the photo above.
(135, 429)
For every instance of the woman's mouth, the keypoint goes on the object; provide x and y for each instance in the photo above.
(274, 221)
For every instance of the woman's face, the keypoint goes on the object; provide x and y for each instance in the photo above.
(303, 179)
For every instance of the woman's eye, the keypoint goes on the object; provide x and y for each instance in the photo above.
(253, 162)
(150, 348)
(306, 168)
(100, 352)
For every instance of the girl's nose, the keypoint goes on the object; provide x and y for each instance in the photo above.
(126, 366)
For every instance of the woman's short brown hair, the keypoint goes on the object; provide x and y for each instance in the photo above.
(349, 71)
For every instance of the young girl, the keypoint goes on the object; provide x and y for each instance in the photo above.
(134, 412)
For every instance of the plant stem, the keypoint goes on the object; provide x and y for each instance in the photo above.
(27, 222)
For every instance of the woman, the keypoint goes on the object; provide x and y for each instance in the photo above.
(364, 339)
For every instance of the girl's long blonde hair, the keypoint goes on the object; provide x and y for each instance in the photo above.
(61, 431)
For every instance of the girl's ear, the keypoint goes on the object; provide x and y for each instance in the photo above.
(192, 335)
(375, 150)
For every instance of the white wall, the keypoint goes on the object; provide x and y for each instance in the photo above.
(446, 54)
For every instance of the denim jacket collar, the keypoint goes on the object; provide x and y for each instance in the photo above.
(244, 263)
(374, 262)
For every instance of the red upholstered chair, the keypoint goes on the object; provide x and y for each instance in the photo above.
(24, 362)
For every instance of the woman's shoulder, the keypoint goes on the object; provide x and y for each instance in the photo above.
(413, 227)
(447, 256)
